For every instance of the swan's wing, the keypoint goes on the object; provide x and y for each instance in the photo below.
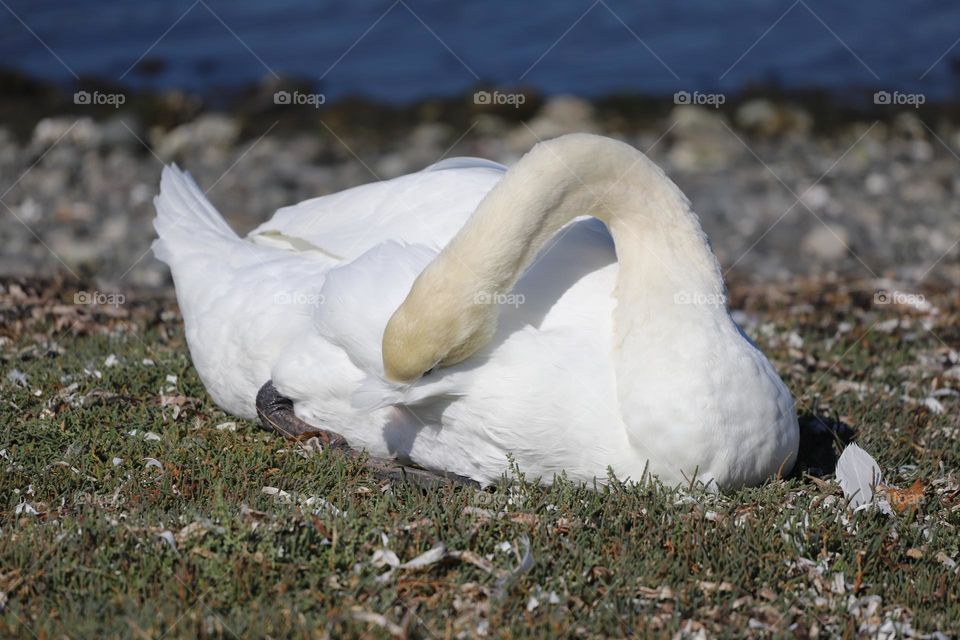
(425, 208)
(540, 301)
(358, 298)
(350, 314)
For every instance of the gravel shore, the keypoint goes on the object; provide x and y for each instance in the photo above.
(778, 196)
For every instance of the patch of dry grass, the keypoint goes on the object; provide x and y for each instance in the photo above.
(131, 506)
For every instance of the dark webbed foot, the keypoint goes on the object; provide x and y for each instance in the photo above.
(276, 414)
(820, 440)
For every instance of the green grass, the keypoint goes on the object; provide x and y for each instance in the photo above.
(91, 556)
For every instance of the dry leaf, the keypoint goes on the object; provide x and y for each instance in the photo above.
(904, 499)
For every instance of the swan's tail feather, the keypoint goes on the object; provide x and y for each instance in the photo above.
(186, 222)
(236, 298)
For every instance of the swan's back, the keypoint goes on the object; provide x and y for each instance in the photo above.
(426, 208)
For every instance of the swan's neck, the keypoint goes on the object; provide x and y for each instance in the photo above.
(663, 254)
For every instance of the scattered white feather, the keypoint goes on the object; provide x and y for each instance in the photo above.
(427, 558)
(934, 405)
(25, 508)
(276, 492)
(858, 474)
(384, 558)
(168, 537)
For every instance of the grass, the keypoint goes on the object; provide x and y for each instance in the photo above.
(130, 506)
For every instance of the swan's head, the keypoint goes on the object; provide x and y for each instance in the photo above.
(439, 323)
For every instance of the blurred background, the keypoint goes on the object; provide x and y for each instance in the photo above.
(814, 138)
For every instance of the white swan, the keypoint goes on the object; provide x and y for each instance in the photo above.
(625, 360)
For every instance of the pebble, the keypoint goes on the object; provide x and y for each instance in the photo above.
(209, 131)
(816, 197)
(876, 184)
(560, 115)
(765, 118)
(82, 132)
(704, 141)
(826, 242)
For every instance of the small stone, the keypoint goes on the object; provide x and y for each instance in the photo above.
(81, 132)
(560, 115)
(430, 135)
(921, 151)
(692, 120)
(877, 184)
(211, 130)
(757, 115)
(768, 119)
(907, 124)
(827, 242)
(816, 197)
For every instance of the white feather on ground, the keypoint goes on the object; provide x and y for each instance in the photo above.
(858, 474)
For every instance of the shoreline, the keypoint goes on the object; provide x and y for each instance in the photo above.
(24, 100)
(783, 190)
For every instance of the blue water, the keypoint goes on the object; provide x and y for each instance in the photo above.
(422, 48)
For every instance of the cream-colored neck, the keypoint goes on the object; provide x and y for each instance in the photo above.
(660, 245)
(661, 249)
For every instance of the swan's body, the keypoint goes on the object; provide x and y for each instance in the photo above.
(597, 361)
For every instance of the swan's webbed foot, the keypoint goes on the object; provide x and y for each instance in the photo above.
(817, 455)
(276, 414)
